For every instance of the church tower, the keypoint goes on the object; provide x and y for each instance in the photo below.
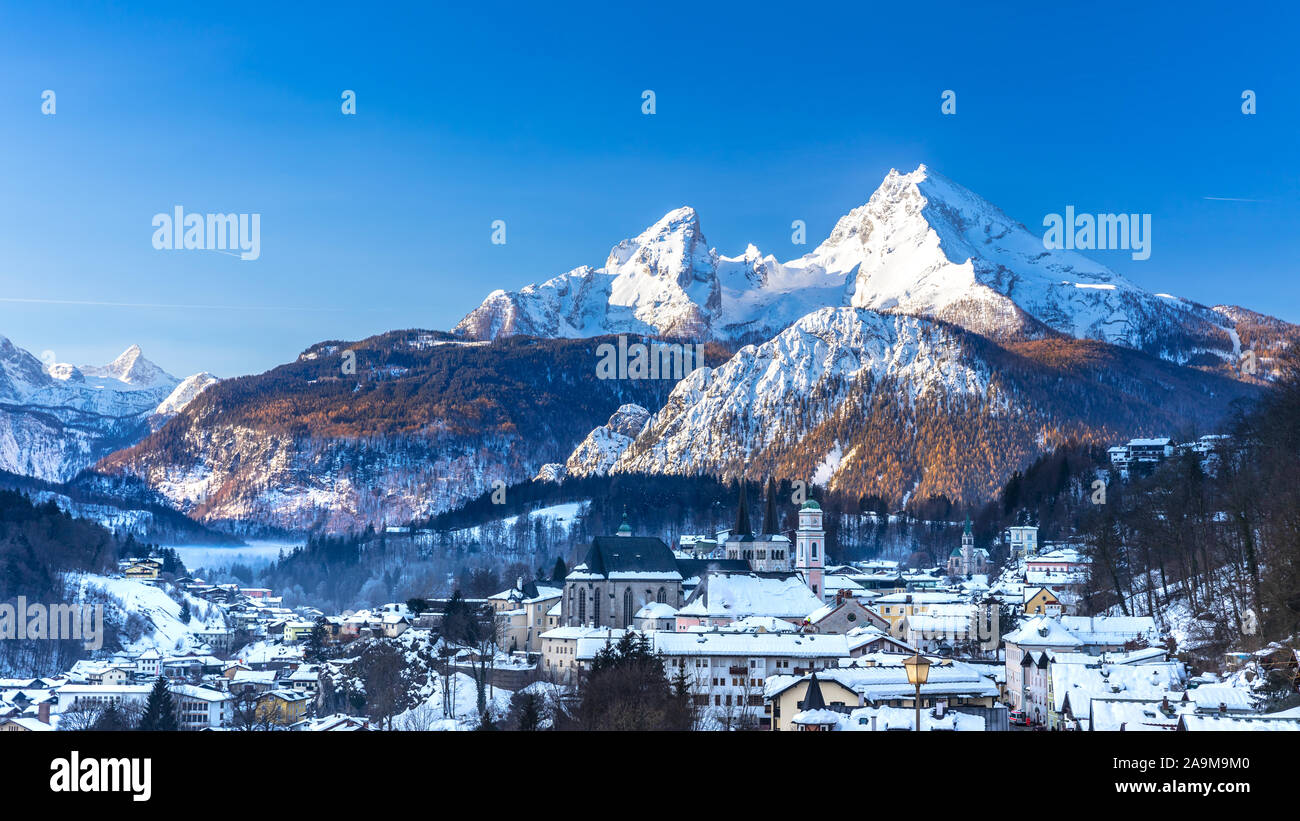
(967, 549)
(810, 547)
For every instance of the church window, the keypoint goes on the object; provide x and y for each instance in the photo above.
(627, 607)
(662, 597)
(582, 606)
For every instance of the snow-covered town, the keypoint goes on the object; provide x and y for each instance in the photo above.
(754, 629)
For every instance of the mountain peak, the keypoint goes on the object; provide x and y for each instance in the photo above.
(133, 369)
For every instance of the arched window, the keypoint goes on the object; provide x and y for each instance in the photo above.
(662, 597)
(627, 607)
(595, 608)
(814, 553)
(582, 607)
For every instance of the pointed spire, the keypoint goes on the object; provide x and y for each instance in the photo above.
(742, 527)
(625, 529)
(769, 510)
(813, 698)
(967, 531)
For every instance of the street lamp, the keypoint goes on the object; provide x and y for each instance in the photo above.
(918, 671)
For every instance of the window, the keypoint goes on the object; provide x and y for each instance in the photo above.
(627, 607)
(595, 607)
(582, 607)
(662, 597)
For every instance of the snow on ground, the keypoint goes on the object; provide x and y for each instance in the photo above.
(163, 629)
(430, 714)
(563, 515)
(829, 466)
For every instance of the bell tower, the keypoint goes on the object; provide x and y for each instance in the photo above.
(810, 547)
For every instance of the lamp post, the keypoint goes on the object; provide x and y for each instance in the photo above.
(918, 671)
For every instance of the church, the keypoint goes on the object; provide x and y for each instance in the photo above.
(968, 560)
(623, 573)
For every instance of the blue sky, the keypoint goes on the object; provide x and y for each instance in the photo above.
(533, 115)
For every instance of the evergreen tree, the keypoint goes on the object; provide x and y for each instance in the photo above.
(160, 709)
(186, 616)
(529, 715)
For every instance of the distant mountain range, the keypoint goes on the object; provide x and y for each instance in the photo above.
(57, 419)
(930, 345)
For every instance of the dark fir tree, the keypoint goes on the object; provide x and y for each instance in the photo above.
(160, 709)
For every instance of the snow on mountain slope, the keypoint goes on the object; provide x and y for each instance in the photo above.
(717, 419)
(596, 454)
(922, 245)
(148, 616)
(58, 420)
(180, 397)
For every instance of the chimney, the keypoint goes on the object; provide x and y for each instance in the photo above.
(1223, 708)
(1164, 704)
(43, 712)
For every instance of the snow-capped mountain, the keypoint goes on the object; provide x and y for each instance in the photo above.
(181, 396)
(897, 405)
(56, 420)
(922, 245)
(602, 448)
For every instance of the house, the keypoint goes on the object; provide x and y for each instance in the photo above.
(142, 569)
(202, 708)
(728, 671)
(25, 724)
(882, 681)
(522, 613)
(392, 625)
(295, 631)
(560, 650)
(282, 707)
(724, 597)
(895, 606)
(306, 679)
(1040, 601)
(100, 695)
(1021, 541)
(966, 629)
(844, 614)
(1232, 723)
(656, 616)
(1035, 636)
(869, 640)
(252, 681)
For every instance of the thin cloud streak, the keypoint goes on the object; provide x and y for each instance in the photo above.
(97, 304)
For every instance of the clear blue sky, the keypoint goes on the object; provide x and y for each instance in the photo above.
(533, 115)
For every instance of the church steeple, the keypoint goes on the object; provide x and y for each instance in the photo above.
(742, 527)
(769, 509)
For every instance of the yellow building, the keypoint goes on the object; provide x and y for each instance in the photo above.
(282, 707)
(143, 569)
(1041, 602)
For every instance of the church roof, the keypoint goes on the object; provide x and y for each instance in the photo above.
(629, 554)
(694, 568)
